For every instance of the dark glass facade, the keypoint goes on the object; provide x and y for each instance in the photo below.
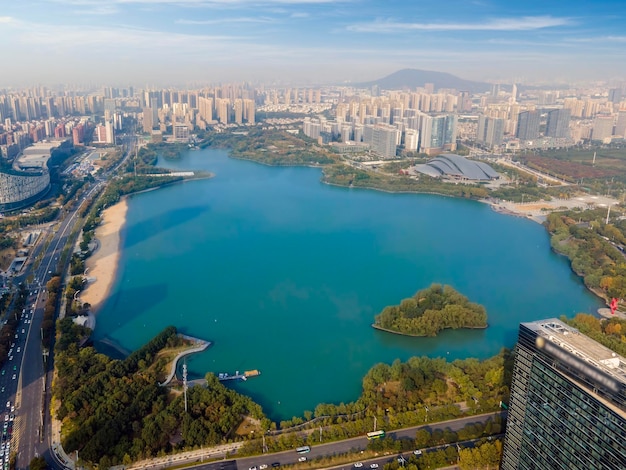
(567, 411)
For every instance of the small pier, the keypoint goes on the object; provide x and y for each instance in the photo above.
(223, 376)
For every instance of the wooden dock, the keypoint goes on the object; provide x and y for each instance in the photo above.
(223, 376)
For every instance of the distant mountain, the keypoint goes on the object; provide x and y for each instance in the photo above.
(413, 78)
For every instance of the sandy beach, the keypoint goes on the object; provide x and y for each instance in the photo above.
(102, 264)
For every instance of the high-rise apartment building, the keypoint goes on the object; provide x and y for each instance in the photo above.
(568, 402)
(527, 125)
(384, 138)
(602, 127)
(222, 109)
(620, 124)
(490, 131)
(238, 111)
(148, 123)
(411, 140)
(558, 123)
(437, 133)
(205, 108)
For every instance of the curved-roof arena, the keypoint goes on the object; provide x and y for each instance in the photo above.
(457, 167)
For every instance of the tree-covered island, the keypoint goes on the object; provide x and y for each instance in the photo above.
(431, 310)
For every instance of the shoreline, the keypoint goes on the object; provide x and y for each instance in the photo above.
(103, 263)
(411, 335)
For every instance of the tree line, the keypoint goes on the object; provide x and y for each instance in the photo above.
(114, 412)
(594, 248)
(430, 311)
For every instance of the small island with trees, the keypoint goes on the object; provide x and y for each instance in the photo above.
(431, 310)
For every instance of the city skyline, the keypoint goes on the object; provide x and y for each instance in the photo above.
(306, 42)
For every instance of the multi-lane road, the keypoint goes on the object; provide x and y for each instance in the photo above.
(28, 374)
(35, 374)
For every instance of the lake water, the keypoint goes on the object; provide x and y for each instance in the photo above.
(285, 274)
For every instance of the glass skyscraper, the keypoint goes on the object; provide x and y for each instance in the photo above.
(568, 402)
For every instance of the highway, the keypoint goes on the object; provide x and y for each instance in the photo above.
(353, 445)
(30, 434)
(29, 399)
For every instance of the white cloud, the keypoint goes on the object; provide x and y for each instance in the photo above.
(98, 10)
(600, 39)
(525, 23)
(228, 20)
(199, 2)
(6, 19)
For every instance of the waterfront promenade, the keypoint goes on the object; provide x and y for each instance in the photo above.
(199, 346)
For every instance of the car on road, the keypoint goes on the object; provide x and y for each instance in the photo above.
(263, 466)
(417, 452)
(252, 468)
(358, 465)
(374, 465)
(18, 348)
(302, 459)
(13, 377)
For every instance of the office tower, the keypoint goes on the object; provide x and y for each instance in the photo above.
(180, 132)
(437, 133)
(527, 125)
(558, 123)
(384, 140)
(464, 102)
(602, 127)
(490, 131)
(411, 140)
(148, 123)
(154, 107)
(620, 125)
(615, 95)
(568, 402)
(514, 94)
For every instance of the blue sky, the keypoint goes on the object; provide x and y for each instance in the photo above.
(302, 42)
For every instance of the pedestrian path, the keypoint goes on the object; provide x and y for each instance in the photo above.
(200, 345)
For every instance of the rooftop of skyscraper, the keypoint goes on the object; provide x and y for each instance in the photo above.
(590, 354)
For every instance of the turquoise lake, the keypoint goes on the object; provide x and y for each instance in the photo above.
(285, 274)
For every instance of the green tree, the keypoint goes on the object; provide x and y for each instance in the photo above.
(38, 463)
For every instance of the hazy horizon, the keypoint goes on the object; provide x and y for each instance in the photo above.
(307, 42)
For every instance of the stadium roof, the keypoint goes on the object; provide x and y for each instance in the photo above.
(455, 166)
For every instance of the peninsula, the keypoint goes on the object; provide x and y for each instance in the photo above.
(431, 310)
